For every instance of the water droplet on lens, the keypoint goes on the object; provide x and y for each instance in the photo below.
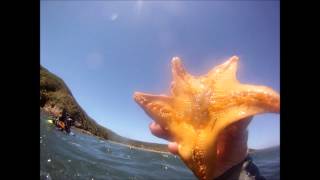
(164, 167)
(48, 177)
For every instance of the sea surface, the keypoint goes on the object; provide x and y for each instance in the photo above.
(65, 157)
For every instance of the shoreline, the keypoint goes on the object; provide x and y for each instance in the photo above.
(119, 143)
(48, 113)
(140, 148)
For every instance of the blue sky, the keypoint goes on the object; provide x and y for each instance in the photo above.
(106, 50)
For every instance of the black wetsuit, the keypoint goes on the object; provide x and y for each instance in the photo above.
(246, 170)
(67, 123)
(64, 117)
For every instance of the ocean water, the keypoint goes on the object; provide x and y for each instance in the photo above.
(89, 158)
(268, 162)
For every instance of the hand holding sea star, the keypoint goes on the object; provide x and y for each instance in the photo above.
(208, 115)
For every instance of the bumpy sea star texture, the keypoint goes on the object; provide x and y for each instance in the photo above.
(208, 115)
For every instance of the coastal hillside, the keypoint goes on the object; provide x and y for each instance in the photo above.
(55, 95)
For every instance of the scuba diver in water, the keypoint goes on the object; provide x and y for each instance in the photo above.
(64, 122)
(67, 122)
(59, 124)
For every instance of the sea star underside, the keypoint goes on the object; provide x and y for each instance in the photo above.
(208, 115)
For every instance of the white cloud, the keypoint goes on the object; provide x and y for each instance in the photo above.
(95, 60)
(114, 17)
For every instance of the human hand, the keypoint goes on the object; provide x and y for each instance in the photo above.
(227, 156)
(158, 131)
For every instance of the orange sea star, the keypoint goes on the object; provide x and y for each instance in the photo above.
(208, 115)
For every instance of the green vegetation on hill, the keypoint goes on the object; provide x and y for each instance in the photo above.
(54, 94)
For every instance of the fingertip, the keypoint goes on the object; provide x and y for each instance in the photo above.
(173, 147)
(156, 129)
(151, 125)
